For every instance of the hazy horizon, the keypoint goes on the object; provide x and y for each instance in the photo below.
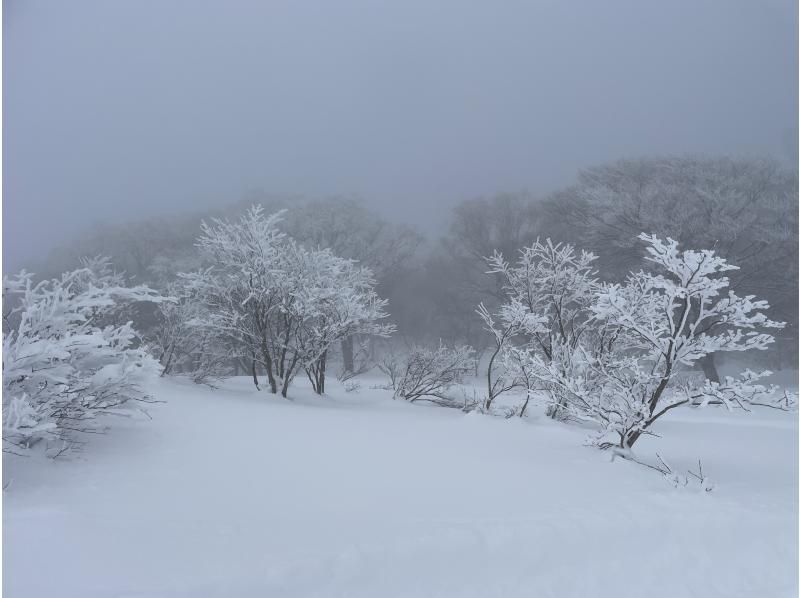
(121, 111)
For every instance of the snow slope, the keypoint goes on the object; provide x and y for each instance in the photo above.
(232, 492)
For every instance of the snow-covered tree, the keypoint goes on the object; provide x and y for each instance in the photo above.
(182, 340)
(334, 300)
(351, 231)
(243, 288)
(623, 373)
(68, 359)
(743, 209)
(548, 294)
(278, 304)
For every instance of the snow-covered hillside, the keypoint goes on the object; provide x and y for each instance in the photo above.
(233, 492)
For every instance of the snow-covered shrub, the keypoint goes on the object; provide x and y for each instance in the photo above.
(549, 291)
(621, 372)
(67, 357)
(428, 373)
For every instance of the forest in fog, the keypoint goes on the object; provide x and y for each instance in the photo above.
(743, 209)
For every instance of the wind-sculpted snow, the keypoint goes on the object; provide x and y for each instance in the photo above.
(235, 492)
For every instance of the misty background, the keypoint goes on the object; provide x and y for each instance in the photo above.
(118, 111)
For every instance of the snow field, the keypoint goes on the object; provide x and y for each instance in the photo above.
(233, 492)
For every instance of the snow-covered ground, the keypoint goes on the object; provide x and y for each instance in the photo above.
(232, 492)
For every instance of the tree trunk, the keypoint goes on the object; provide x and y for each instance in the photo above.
(524, 406)
(273, 385)
(288, 373)
(168, 366)
(490, 396)
(347, 354)
(321, 374)
(709, 368)
(316, 374)
(629, 440)
(255, 376)
(268, 365)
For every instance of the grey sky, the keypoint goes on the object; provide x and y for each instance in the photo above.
(123, 109)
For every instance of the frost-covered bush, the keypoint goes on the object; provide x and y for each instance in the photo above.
(68, 358)
(428, 373)
(611, 353)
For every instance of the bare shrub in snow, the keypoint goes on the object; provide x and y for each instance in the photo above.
(391, 364)
(428, 373)
(68, 358)
(698, 479)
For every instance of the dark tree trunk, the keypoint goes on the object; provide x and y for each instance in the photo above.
(255, 376)
(524, 406)
(273, 384)
(629, 440)
(287, 377)
(347, 354)
(168, 365)
(268, 365)
(316, 374)
(709, 368)
(490, 397)
(321, 374)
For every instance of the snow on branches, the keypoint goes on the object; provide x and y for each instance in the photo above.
(334, 299)
(611, 353)
(68, 355)
(183, 342)
(277, 304)
(427, 374)
(548, 291)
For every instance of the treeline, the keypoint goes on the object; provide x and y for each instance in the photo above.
(745, 210)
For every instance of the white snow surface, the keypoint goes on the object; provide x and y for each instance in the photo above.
(231, 492)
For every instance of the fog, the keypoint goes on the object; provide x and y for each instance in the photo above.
(124, 110)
